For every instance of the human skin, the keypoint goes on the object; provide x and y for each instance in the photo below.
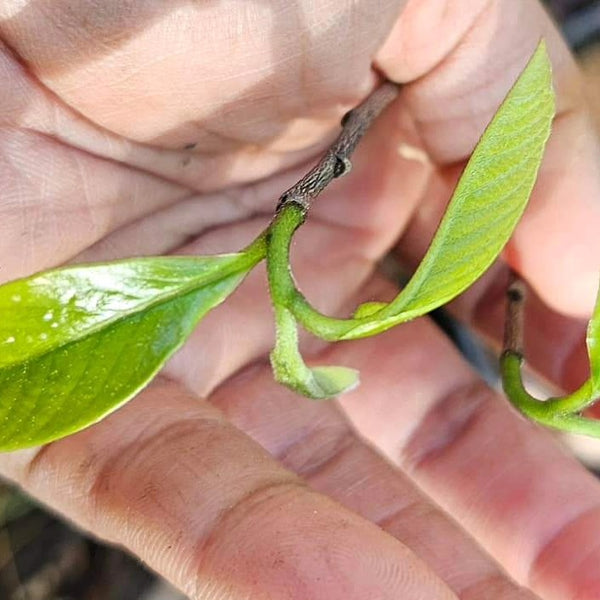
(420, 484)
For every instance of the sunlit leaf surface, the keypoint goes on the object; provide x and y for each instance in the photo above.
(76, 343)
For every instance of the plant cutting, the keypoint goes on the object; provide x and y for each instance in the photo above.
(78, 342)
(564, 412)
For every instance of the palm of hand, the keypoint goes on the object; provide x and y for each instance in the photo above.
(97, 164)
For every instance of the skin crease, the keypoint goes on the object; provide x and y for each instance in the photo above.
(228, 485)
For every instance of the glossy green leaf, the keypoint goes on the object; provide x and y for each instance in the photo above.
(57, 307)
(593, 344)
(484, 210)
(79, 342)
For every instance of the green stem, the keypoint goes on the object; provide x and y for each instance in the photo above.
(575, 402)
(257, 250)
(283, 287)
(288, 366)
(561, 412)
(279, 236)
(287, 221)
(512, 382)
(331, 329)
(557, 413)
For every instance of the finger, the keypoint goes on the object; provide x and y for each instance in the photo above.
(556, 245)
(373, 198)
(29, 105)
(70, 188)
(57, 199)
(505, 480)
(171, 480)
(170, 74)
(170, 229)
(315, 441)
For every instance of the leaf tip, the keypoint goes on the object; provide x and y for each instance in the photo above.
(334, 380)
(318, 383)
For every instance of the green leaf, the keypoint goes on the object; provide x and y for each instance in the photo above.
(484, 210)
(57, 307)
(593, 344)
(79, 342)
(489, 199)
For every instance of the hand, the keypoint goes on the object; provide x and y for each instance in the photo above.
(423, 483)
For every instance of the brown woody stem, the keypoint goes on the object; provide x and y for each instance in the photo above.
(336, 161)
(516, 295)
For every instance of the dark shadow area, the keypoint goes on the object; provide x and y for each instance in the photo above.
(43, 559)
(580, 20)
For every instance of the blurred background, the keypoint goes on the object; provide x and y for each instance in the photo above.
(42, 558)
